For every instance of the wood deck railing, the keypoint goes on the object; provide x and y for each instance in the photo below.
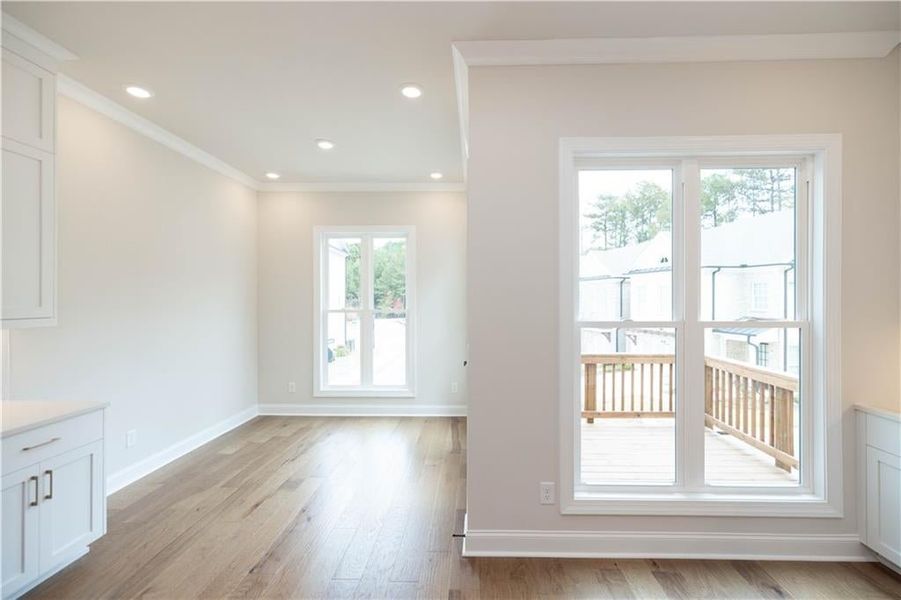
(645, 389)
(753, 404)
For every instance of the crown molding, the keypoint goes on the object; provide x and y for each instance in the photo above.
(719, 48)
(363, 187)
(25, 33)
(100, 103)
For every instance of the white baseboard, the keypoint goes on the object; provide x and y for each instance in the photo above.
(375, 409)
(142, 468)
(635, 544)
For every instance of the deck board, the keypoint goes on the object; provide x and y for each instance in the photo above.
(642, 450)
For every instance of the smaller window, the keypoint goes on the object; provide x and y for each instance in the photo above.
(760, 296)
(364, 295)
(763, 354)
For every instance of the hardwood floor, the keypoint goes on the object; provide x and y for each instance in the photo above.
(292, 507)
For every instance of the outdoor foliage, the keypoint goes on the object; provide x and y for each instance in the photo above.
(635, 217)
(644, 211)
(389, 284)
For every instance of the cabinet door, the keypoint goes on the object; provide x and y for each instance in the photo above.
(884, 504)
(29, 235)
(29, 95)
(71, 503)
(20, 522)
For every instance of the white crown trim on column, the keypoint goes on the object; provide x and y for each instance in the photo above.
(713, 48)
(80, 93)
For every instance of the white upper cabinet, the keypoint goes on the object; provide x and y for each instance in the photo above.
(29, 205)
(28, 102)
(29, 234)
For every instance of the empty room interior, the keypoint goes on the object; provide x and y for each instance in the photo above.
(451, 300)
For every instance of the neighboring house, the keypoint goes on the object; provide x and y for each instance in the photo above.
(744, 277)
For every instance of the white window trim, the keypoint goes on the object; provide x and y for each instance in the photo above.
(820, 492)
(320, 234)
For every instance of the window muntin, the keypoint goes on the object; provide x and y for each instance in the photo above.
(364, 294)
(690, 229)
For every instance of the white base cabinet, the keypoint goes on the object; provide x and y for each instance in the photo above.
(53, 499)
(879, 471)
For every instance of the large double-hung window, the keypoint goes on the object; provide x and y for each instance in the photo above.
(364, 309)
(697, 299)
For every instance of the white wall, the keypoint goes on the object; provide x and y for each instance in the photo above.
(157, 290)
(286, 222)
(518, 114)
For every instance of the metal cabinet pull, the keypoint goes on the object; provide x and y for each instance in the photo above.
(49, 494)
(50, 441)
(34, 502)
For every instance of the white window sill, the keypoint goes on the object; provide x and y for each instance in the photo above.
(365, 393)
(701, 504)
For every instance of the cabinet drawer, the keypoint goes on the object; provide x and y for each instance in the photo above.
(39, 444)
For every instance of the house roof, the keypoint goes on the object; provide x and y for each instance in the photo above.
(746, 241)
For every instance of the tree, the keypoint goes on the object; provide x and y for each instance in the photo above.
(648, 211)
(390, 277)
(635, 217)
(609, 221)
(352, 275)
(766, 190)
(718, 200)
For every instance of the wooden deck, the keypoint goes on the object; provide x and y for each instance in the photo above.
(626, 450)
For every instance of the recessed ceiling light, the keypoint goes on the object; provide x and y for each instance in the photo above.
(138, 92)
(411, 90)
(273, 175)
(325, 144)
(436, 175)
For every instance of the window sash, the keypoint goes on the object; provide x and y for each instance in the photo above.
(689, 328)
(366, 311)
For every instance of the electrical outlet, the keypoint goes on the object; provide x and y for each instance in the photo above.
(131, 438)
(546, 492)
(292, 387)
(455, 387)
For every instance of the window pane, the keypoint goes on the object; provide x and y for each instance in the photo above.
(629, 399)
(389, 264)
(752, 406)
(343, 272)
(343, 341)
(389, 359)
(625, 219)
(748, 243)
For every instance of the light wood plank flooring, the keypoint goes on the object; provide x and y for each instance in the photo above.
(291, 507)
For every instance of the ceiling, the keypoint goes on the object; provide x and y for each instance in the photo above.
(255, 84)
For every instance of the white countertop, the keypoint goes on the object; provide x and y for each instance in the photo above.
(19, 416)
